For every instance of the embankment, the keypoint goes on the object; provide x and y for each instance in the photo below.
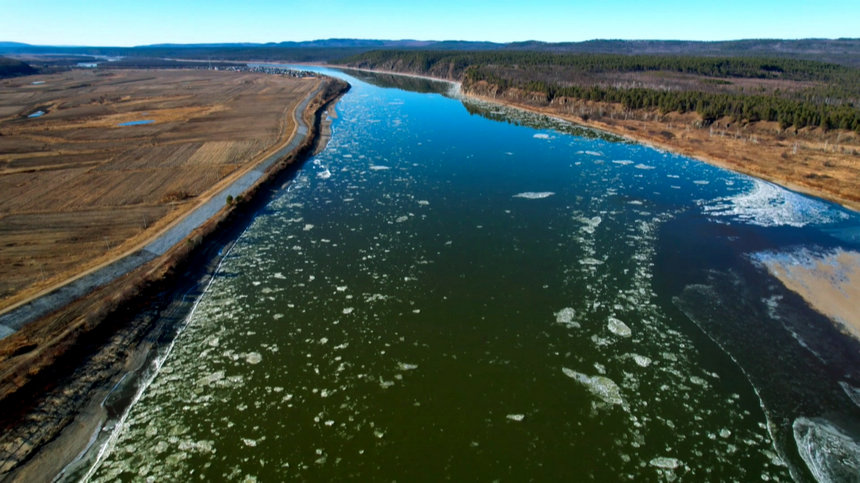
(56, 372)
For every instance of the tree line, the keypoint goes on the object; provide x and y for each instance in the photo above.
(829, 105)
(710, 106)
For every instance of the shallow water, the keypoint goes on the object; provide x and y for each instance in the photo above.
(136, 123)
(439, 294)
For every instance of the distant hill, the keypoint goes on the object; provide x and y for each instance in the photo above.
(840, 51)
(13, 68)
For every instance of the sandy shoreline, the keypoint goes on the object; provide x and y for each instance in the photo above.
(829, 282)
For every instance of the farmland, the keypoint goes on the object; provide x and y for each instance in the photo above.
(78, 188)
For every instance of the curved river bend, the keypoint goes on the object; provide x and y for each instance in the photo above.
(440, 293)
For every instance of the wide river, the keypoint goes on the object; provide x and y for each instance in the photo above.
(460, 291)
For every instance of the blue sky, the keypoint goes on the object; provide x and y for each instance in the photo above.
(123, 22)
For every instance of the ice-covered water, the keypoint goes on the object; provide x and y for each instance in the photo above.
(440, 295)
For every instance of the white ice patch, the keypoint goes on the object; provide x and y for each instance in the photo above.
(665, 463)
(643, 166)
(623, 162)
(308, 227)
(377, 167)
(324, 174)
(534, 195)
(618, 327)
(590, 224)
(565, 316)
(401, 219)
(641, 361)
(600, 386)
(541, 136)
(403, 366)
(347, 310)
(829, 453)
(852, 392)
(767, 204)
(423, 202)
(516, 417)
(253, 358)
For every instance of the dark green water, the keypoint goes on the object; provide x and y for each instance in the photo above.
(441, 295)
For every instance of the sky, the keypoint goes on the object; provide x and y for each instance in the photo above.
(142, 22)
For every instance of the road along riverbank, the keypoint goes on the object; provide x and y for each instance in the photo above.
(55, 371)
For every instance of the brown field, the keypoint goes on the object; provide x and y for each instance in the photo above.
(77, 190)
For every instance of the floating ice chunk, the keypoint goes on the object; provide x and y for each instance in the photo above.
(341, 288)
(600, 386)
(641, 361)
(516, 417)
(211, 378)
(324, 174)
(423, 202)
(643, 166)
(590, 261)
(725, 433)
(590, 224)
(665, 463)
(401, 219)
(618, 327)
(852, 392)
(593, 153)
(377, 167)
(406, 367)
(308, 227)
(623, 162)
(565, 316)
(348, 310)
(253, 358)
(534, 195)
(279, 276)
(701, 182)
(249, 442)
(541, 136)
(829, 453)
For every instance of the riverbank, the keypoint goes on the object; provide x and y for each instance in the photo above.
(808, 162)
(57, 372)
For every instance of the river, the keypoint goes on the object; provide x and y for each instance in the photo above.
(463, 291)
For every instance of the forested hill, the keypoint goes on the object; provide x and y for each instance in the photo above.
(794, 92)
(13, 68)
(840, 51)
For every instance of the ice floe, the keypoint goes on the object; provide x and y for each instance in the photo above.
(618, 327)
(600, 386)
(565, 316)
(534, 195)
(829, 453)
(665, 463)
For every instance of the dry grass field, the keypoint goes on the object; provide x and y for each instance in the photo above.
(77, 188)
